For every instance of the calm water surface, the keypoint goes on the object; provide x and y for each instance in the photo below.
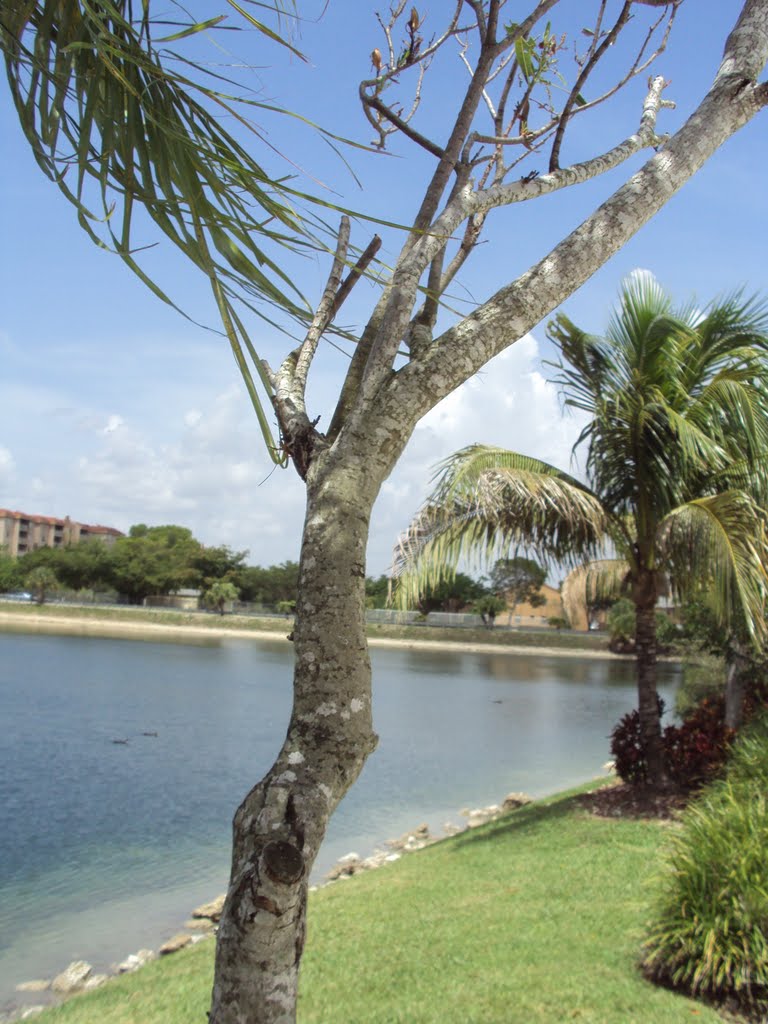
(104, 847)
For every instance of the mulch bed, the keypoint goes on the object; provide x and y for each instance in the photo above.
(618, 800)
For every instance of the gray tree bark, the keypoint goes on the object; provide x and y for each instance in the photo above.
(281, 823)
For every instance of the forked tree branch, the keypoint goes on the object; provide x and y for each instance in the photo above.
(464, 203)
(323, 313)
(515, 309)
(290, 381)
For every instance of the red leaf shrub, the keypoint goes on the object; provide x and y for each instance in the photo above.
(627, 748)
(694, 752)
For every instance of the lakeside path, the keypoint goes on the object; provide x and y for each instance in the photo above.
(83, 625)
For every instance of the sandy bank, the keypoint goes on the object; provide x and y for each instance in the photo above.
(83, 625)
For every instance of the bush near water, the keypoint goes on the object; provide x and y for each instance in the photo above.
(695, 752)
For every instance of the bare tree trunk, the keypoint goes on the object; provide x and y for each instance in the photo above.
(281, 823)
(647, 694)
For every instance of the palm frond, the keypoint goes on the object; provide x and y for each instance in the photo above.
(720, 542)
(591, 583)
(585, 364)
(488, 502)
(119, 124)
(96, 100)
(729, 327)
(640, 329)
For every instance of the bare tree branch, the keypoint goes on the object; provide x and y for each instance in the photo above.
(462, 350)
(323, 314)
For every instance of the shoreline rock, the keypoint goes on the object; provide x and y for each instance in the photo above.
(72, 978)
(212, 911)
(352, 864)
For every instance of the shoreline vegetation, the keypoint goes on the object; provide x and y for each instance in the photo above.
(158, 624)
(467, 928)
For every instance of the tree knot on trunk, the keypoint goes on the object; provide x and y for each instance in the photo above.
(265, 903)
(299, 445)
(283, 863)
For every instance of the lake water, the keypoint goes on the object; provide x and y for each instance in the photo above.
(104, 847)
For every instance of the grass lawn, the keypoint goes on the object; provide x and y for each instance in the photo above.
(535, 918)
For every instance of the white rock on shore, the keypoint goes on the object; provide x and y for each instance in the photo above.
(94, 981)
(175, 943)
(199, 924)
(211, 910)
(352, 864)
(135, 960)
(73, 978)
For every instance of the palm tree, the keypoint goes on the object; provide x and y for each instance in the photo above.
(677, 427)
(220, 594)
(42, 581)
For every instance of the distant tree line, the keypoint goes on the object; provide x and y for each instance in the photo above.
(151, 560)
(161, 560)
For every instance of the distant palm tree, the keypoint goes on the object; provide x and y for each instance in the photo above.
(220, 594)
(676, 440)
(42, 581)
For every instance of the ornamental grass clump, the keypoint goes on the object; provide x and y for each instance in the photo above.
(709, 934)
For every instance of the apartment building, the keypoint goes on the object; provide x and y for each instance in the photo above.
(21, 532)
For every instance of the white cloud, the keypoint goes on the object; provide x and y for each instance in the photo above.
(113, 423)
(208, 470)
(7, 469)
(204, 465)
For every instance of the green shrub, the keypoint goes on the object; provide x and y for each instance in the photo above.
(709, 933)
(702, 677)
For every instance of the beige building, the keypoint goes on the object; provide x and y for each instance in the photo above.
(525, 614)
(21, 532)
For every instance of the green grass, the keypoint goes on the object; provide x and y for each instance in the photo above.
(281, 626)
(156, 616)
(492, 637)
(535, 919)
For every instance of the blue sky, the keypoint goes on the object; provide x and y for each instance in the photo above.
(114, 409)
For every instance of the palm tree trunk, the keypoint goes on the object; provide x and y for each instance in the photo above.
(281, 823)
(735, 687)
(647, 694)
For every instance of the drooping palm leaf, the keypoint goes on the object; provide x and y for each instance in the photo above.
(115, 120)
(97, 100)
(593, 582)
(488, 502)
(720, 542)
